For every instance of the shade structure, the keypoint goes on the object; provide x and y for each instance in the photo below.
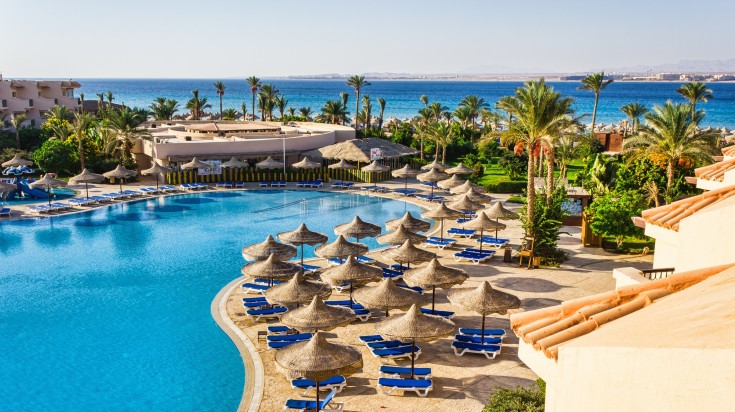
(442, 212)
(317, 316)
(413, 326)
(405, 172)
(434, 275)
(399, 236)
(433, 175)
(497, 211)
(408, 253)
(342, 165)
(477, 196)
(340, 249)
(196, 164)
(357, 228)
(269, 163)
(297, 291)
(434, 165)
(120, 173)
(484, 300)
(270, 269)
(302, 236)
(375, 167)
(47, 183)
(305, 163)
(482, 223)
(409, 222)
(156, 170)
(352, 272)
(7, 187)
(463, 188)
(269, 246)
(460, 169)
(17, 161)
(318, 359)
(386, 296)
(86, 177)
(233, 163)
(464, 204)
(452, 182)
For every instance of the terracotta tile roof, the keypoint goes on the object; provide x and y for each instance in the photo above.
(669, 216)
(715, 171)
(547, 329)
(729, 151)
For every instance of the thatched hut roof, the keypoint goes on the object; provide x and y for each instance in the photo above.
(358, 150)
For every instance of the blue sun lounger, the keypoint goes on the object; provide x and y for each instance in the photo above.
(422, 387)
(461, 232)
(483, 251)
(431, 198)
(399, 267)
(5, 212)
(496, 333)
(280, 330)
(498, 243)
(264, 184)
(281, 344)
(335, 382)
(442, 313)
(261, 304)
(311, 268)
(490, 351)
(396, 353)
(258, 314)
(289, 338)
(387, 344)
(240, 185)
(489, 340)
(387, 371)
(362, 314)
(441, 244)
(304, 405)
(344, 304)
(254, 288)
(406, 192)
(263, 281)
(416, 289)
(475, 258)
(392, 274)
(371, 338)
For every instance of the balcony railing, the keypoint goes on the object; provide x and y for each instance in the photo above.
(654, 274)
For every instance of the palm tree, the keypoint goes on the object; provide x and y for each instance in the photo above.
(79, 128)
(81, 100)
(105, 136)
(110, 97)
(595, 83)
(220, 88)
(491, 118)
(124, 124)
(164, 109)
(281, 102)
(473, 104)
(268, 93)
(254, 83)
(196, 105)
(357, 83)
(333, 111)
(566, 149)
(306, 113)
(671, 136)
(367, 108)
(424, 99)
(695, 92)
(100, 101)
(505, 104)
(425, 117)
(441, 133)
(229, 114)
(463, 115)
(634, 111)
(291, 111)
(381, 104)
(60, 113)
(437, 110)
(345, 97)
(17, 121)
(567, 126)
(244, 110)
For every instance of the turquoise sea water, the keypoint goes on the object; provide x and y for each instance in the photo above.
(109, 310)
(402, 97)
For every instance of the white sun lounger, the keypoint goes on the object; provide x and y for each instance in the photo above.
(490, 351)
(422, 387)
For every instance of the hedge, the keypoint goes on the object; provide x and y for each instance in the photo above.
(515, 186)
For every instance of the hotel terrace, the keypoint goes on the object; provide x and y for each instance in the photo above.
(33, 98)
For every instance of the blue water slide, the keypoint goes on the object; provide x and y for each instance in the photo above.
(34, 193)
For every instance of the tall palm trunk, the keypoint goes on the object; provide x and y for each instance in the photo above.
(594, 113)
(694, 111)
(444, 154)
(253, 106)
(670, 176)
(357, 109)
(17, 138)
(530, 191)
(220, 107)
(81, 154)
(549, 175)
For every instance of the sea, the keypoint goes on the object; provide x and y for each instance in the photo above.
(402, 96)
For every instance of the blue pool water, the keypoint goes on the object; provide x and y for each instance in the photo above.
(110, 310)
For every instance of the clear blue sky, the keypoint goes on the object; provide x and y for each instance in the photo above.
(231, 38)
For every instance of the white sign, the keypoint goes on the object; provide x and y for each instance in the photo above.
(376, 153)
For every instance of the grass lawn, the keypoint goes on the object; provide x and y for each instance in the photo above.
(631, 245)
(494, 174)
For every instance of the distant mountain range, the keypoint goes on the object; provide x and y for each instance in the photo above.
(683, 66)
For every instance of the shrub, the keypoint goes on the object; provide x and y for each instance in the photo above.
(506, 187)
(515, 166)
(516, 199)
(518, 399)
(610, 214)
(547, 221)
(56, 156)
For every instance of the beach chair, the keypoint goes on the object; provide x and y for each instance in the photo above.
(282, 183)
(203, 186)
(280, 330)
(416, 289)
(478, 251)
(301, 183)
(442, 313)
(263, 281)
(254, 288)
(406, 192)
(403, 352)
(491, 241)
(311, 268)
(132, 193)
(495, 333)
(490, 351)
(475, 258)
(341, 288)
(392, 274)
(489, 340)
(337, 184)
(303, 405)
(422, 387)
(259, 304)
(336, 383)
(100, 199)
(439, 243)
(240, 185)
(256, 299)
(5, 212)
(317, 184)
(362, 314)
(281, 344)
(112, 196)
(461, 232)
(343, 303)
(371, 338)
(387, 344)
(399, 267)
(387, 371)
(366, 260)
(273, 313)
(264, 184)
(430, 184)
(296, 337)
(348, 185)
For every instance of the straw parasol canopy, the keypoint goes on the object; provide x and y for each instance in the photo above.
(269, 246)
(17, 161)
(404, 173)
(342, 164)
(302, 236)
(196, 164)
(375, 167)
(156, 170)
(271, 268)
(408, 253)
(484, 300)
(460, 169)
(498, 211)
(317, 316)
(297, 291)
(477, 196)
(399, 236)
(434, 275)
(233, 163)
(463, 188)
(442, 212)
(305, 163)
(340, 249)
(357, 228)
(8, 187)
(452, 182)
(411, 223)
(434, 165)
(86, 177)
(482, 223)
(47, 183)
(269, 163)
(465, 204)
(352, 272)
(386, 296)
(120, 172)
(433, 175)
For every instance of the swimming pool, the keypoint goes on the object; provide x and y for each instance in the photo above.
(110, 309)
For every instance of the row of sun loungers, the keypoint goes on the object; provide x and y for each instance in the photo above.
(194, 186)
(438, 242)
(406, 192)
(308, 405)
(360, 259)
(312, 184)
(475, 256)
(230, 185)
(342, 185)
(276, 183)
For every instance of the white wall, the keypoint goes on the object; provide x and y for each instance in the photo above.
(706, 238)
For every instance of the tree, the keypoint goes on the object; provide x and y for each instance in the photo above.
(281, 102)
(491, 119)
(381, 104)
(125, 124)
(425, 117)
(267, 96)
(473, 104)
(82, 122)
(424, 99)
(164, 109)
(333, 111)
(229, 114)
(357, 83)
(100, 101)
(196, 105)
(566, 149)
(518, 399)
(17, 121)
(292, 111)
(610, 214)
(634, 111)
(670, 137)
(244, 110)
(695, 92)
(367, 107)
(306, 113)
(567, 126)
(441, 133)
(504, 105)
(254, 83)
(345, 97)
(81, 102)
(595, 83)
(55, 156)
(59, 112)
(220, 88)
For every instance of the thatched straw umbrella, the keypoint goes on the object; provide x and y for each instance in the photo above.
(269, 163)
(465, 205)
(302, 236)
(375, 167)
(484, 300)
(433, 175)
(450, 183)
(434, 275)
(460, 169)
(196, 164)
(340, 249)
(156, 170)
(317, 360)
(17, 161)
(434, 165)
(357, 228)
(8, 187)
(233, 163)
(442, 212)
(399, 236)
(386, 296)
(408, 253)
(482, 223)
(477, 196)
(86, 177)
(47, 183)
(263, 250)
(404, 173)
(317, 316)
(352, 272)
(297, 291)
(305, 163)
(413, 326)
(271, 269)
(463, 188)
(411, 223)
(120, 173)
(497, 211)
(342, 165)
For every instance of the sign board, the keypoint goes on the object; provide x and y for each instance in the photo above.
(215, 168)
(376, 153)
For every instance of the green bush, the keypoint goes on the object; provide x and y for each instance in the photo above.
(516, 167)
(518, 399)
(516, 199)
(507, 187)
(57, 156)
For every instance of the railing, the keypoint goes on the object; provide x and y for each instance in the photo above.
(654, 274)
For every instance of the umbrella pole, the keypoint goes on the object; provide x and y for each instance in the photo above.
(302, 256)
(86, 186)
(48, 194)
(317, 395)
(413, 357)
(481, 230)
(350, 295)
(441, 231)
(433, 293)
(156, 182)
(405, 185)
(482, 334)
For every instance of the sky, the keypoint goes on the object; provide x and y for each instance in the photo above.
(236, 38)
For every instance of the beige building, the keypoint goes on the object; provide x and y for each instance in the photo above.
(33, 98)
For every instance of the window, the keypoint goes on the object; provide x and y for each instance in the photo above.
(15, 94)
(33, 122)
